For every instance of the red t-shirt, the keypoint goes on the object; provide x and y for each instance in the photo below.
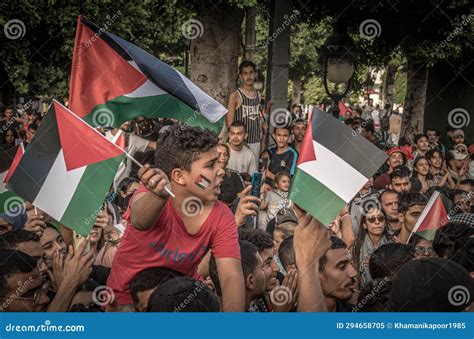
(168, 244)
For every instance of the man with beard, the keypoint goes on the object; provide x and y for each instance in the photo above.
(396, 157)
(298, 130)
(389, 201)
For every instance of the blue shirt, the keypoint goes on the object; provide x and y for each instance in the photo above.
(284, 162)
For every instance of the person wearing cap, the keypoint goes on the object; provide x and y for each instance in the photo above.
(457, 166)
(396, 157)
(458, 137)
(432, 285)
(298, 130)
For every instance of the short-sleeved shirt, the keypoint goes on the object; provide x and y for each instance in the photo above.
(284, 162)
(168, 244)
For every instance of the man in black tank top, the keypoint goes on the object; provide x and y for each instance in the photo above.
(244, 105)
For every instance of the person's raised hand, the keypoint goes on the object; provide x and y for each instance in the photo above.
(103, 220)
(78, 266)
(248, 205)
(154, 180)
(284, 296)
(35, 223)
(311, 241)
(56, 271)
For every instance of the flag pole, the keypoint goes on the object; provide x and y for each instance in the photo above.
(141, 166)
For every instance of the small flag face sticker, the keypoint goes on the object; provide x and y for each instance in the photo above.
(202, 182)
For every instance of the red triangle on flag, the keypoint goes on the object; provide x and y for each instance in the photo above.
(98, 72)
(82, 145)
(433, 217)
(16, 160)
(307, 152)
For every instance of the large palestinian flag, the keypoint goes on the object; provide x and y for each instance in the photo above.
(432, 218)
(113, 81)
(67, 169)
(9, 159)
(333, 165)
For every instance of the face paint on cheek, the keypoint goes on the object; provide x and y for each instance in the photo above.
(202, 182)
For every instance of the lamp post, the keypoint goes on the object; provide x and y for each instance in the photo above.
(338, 56)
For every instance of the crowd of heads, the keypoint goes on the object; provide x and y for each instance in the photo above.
(374, 260)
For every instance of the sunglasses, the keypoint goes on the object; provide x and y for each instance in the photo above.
(421, 250)
(372, 220)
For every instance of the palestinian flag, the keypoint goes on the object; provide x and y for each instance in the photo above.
(434, 216)
(113, 81)
(9, 159)
(333, 165)
(67, 169)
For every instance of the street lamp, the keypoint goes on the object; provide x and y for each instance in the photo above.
(339, 57)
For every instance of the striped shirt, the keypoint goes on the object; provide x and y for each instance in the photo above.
(249, 113)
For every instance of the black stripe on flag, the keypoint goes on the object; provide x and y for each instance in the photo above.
(38, 159)
(6, 158)
(346, 143)
(161, 74)
(103, 35)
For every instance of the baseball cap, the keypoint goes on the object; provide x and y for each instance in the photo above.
(458, 155)
(286, 215)
(395, 150)
(431, 285)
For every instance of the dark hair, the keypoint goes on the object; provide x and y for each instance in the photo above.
(387, 259)
(368, 125)
(415, 239)
(400, 172)
(259, 238)
(248, 259)
(180, 146)
(409, 199)
(33, 126)
(183, 294)
(287, 127)
(238, 124)
(336, 243)
(463, 252)
(280, 175)
(467, 182)
(446, 237)
(387, 191)
(429, 155)
(7, 108)
(432, 129)
(125, 184)
(418, 159)
(13, 262)
(349, 121)
(286, 252)
(10, 240)
(150, 278)
(374, 296)
(4, 135)
(247, 63)
(418, 137)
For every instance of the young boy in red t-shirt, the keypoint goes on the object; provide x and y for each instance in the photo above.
(176, 233)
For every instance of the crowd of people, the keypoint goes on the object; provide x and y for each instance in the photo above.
(215, 245)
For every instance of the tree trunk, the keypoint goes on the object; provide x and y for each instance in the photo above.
(250, 33)
(389, 84)
(215, 52)
(414, 107)
(296, 92)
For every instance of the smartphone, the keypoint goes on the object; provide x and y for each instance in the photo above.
(256, 184)
(76, 242)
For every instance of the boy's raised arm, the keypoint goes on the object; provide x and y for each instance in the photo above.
(232, 284)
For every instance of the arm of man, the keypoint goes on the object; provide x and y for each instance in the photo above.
(311, 242)
(151, 145)
(231, 106)
(146, 207)
(232, 283)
